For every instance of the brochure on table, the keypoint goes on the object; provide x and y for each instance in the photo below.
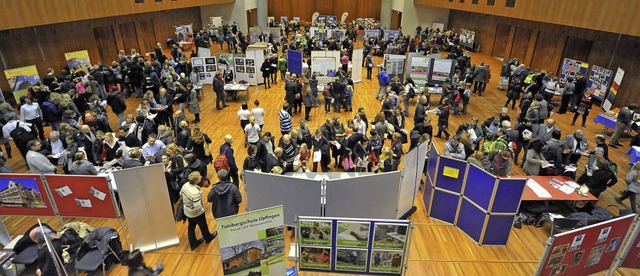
(252, 243)
(205, 67)
(246, 70)
(349, 245)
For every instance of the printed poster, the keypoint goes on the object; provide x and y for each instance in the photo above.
(441, 70)
(419, 70)
(20, 79)
(395, 65)
(599, 81)
(613, 91)
(252, 243)
(79, 60)
(570, 68)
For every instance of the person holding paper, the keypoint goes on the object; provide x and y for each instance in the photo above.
(601, 179)
(534, 158)
(562, 162)
(525, 136)
(578, 144)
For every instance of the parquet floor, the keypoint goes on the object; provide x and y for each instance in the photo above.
(436, 248)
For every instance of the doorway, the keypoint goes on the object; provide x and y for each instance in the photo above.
(396, 20)
(502, 39)
(130, 37)
(252, 17)
(106, 41)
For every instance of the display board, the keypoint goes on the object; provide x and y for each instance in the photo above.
(394, 64)
(571, 67)
(467, 38)
(294, 62)
(372, 33)
(418, 68)
(145, 202)
(79, 60)
(356, 71)
(412, 169)
(21, 79)
(338, 34)
(325, 63)
(599, 81)
(438, 26)
(215, 21)
(586, 250)
(630, 257)
(300, 197)
(350, 245)
(24, 195)
(82, 196)
(391, 34)
(245, 70)
(252, 243)
(610, 98)
(258, 58)
(184, 32)
(441, 70)
(351, 197)
(205, 67)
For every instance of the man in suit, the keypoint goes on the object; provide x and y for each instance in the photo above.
(421, 110)
(578, 144)
(274, 160)
(53, 146)
(544, 132)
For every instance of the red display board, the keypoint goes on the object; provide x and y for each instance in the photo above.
(586, 250)
(81, 196)
(25, 195)
(632, 259)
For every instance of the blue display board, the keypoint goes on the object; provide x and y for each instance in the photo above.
(480, 185)
(294, 62)
(509, 194)
(471, 220)
(451, 174)
(354, 246)
(444, 206)
(498, 230)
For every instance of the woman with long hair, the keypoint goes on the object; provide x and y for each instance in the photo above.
(81, 166)
(534, 158)
(200, 144)
(582, 107)
(307, 100)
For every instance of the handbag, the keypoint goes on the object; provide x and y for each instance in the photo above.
(180, 216)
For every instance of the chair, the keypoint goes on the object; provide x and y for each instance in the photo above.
(558, 222)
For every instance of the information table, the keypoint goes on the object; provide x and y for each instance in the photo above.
(609, 122)
(556, 194)
(233, 89)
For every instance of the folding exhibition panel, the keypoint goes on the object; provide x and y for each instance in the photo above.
(444, 205)
(300, 197)
(471, 219)
(479, 187)
(586, 250)
(451, 174)
(373, 196)
(508, 195)
(356, 71)
(432, 167)
(257, 56)
(24, 195)
(630, 258)
(144, 196)
(427, 197)
(294, 62)
(82, 196)
(408, 182)
(497, 229)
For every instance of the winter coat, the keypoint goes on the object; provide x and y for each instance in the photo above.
(225, 198)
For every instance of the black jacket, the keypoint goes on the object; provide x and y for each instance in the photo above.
(116, 102)
(225, 198)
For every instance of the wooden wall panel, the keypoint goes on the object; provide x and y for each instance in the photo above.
(501, 40)
(550, 41)
(520, 43)
(26, 13)
(617, 16)
(129, 37)
(45, 45)
(305, 10)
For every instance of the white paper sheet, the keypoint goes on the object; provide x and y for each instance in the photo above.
(539, 190)
(317, 156)
(567, 189)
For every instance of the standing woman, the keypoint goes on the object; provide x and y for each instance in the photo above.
(243, 115)
(194, 211)
(443, 118)
(184, 134)
(181, 96)
(567, 94)
(583, 106)
(534, 158)
(200, 145)
(633, 180)
(307, 100)
(265, 69)
(194, 105)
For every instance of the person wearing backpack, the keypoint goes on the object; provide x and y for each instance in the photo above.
(226, 152)
(225, 198)
(409, 93)
(17, 131)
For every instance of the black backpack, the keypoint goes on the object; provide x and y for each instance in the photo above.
(411, 93)
(20, 134)
(148, 81)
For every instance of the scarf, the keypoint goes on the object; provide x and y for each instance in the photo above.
(384, 157)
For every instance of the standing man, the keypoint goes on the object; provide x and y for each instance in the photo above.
(625, 118)
(224, 197)
(480, 76)
(227, 150)
(383, 81)
(37, 162)
(421, 110)
(285, 119)
(30, 113)
(218, 87)
(370, 65)
(17, 131)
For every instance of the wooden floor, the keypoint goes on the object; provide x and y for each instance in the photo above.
(436, 248)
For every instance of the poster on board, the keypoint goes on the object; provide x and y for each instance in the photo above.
(252, 243)
(438, 26)
(467, 37)
(613, 90)
(81, 196)
(20, 79)
(184, 32)
(246, 70)
(599, 81)
(79, 60)
(284, 19)
(571, 67)
(441, 70)
(215, 21)
(394, 64)
(419, 69)
(271, 21)
(323, 66)
(205, 67)
(348, 245)
(24, 195)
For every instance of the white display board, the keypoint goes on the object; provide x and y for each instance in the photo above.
(395, 65)
(418, 68)
(245, 70)
(215, 21)
(206, 68)
(412, 169)
(373, 196)
(356, 71)
(257, 56)
(439, 26)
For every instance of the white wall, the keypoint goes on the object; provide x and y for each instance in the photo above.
(385, 13)
(413, 15)
(263, 12)
(397, 5)
(232, 12)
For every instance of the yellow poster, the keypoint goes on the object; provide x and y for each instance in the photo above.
(20, 79)
(79, 60)
(450, 172)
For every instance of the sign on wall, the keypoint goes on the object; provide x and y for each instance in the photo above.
(79, 60)
(21, 79)
(613, 91)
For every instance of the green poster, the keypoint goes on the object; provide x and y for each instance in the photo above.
(354, 234)
(253, 242)
(386, 261)
(391, 236)
(315, 232)
(315, 257)
(350, 259)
